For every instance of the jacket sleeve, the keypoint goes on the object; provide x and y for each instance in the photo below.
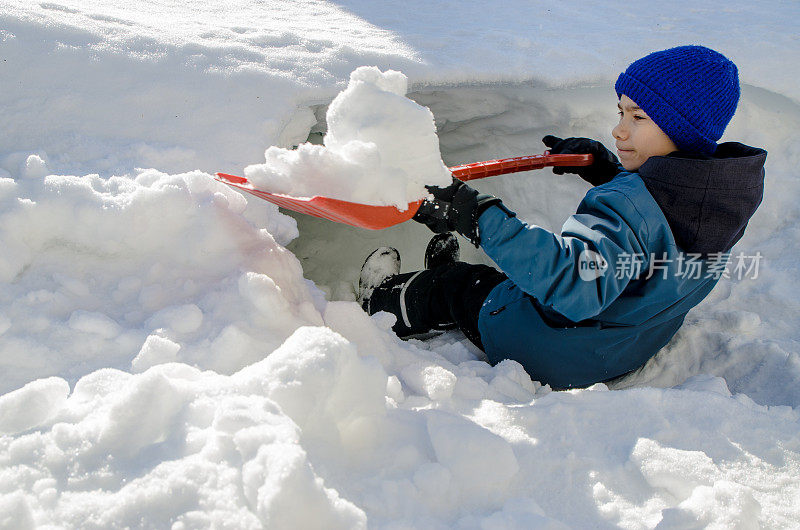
(564, 272)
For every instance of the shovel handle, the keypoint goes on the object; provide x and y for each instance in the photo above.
(377, 217)
(490, 168)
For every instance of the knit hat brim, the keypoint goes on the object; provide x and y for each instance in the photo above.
(680, 130)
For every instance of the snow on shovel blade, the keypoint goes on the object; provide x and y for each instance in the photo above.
(378, 217)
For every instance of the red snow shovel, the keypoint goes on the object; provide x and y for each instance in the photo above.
(377, 217)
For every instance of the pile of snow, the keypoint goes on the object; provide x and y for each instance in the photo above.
(129, 272)
(381, 148)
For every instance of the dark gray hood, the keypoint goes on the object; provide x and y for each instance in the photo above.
(707, 200)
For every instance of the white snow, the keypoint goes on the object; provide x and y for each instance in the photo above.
(380, 148)
(175, 355)
(32, 405)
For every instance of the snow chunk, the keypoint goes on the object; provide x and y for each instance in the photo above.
(435, 382)
(141, 415)
(181, 319)
(723, 505)
(15, 512)
(674, 470)
(155, 350)
(281, 484)
(482, 463)
(35, 168)
(32, 405)
(100, 384)
(316, 377)
(94, 323)
(381, 148)
(7, 184)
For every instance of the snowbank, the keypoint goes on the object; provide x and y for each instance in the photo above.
(132, 272)
(324, 434)
(165, 361)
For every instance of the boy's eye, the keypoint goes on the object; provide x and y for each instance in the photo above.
(638, 117)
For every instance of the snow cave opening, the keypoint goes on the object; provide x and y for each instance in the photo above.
(473, 123)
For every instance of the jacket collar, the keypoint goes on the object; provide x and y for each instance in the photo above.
(707, 200)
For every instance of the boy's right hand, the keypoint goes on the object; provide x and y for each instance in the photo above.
(454, 207)
(604, 168)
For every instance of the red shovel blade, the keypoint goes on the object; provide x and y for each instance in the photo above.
(338, 211)
(378, 217)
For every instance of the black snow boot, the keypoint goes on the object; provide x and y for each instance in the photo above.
(429, 300)
(382, 263)
(442, 249)
(404, 296)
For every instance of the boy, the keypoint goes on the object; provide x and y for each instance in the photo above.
(601, 298)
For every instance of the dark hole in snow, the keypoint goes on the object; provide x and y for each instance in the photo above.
(473, 124)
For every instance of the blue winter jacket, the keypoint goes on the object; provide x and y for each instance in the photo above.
(603, 297)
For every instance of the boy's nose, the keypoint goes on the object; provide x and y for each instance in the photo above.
(619, 132)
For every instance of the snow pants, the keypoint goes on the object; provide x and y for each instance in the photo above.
(446, 297)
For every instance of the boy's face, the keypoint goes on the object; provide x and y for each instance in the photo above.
(638, 137)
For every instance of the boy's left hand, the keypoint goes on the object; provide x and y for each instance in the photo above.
(604, 168)
(455, 207)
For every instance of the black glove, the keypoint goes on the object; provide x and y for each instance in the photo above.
(455, 207)
(604, 168)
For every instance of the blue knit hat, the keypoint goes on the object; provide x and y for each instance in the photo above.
(690, 92)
